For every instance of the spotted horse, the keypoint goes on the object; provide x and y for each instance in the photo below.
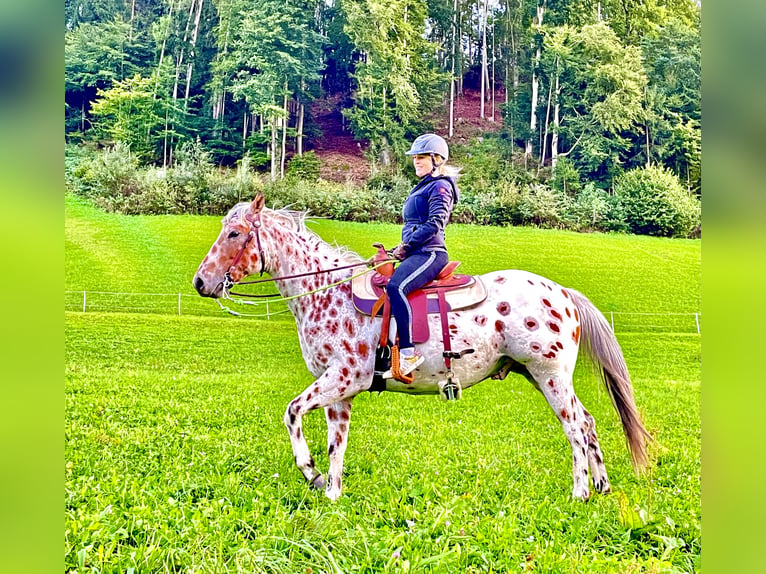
(527, 324)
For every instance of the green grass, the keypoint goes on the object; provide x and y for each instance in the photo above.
(177, 459)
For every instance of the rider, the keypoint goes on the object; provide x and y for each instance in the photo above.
(422, 250)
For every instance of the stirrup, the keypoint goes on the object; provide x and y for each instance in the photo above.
(450, 388)
(395, 371)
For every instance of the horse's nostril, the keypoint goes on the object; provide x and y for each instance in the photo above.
(198, 283)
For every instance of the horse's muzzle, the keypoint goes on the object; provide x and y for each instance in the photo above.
(202, 289)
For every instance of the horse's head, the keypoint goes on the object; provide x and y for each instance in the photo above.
(236, 253)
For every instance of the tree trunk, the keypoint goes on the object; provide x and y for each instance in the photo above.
(648, 153)
(192, 53)
(492, 83)
(452, 79)
(180, 59)
(535, 88)
(284, 136)
(244, 130)
(273, 125)
(545, 132)
(132, 16)
(555, 136)
(483, 58)
(300, 129)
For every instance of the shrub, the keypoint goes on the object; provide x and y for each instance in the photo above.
(655, 203)
(590, 209)
(541, 206)
(111, 174)
(566, 177)
(226, 190)
(389, 190)
(304, 167)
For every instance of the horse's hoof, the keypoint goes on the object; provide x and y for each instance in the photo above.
(318, 482)
(333, 495)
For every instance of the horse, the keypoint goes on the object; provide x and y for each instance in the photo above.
(527, 324)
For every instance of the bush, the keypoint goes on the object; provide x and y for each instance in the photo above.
(389, 190)
(655, 203)
(110, 174)
(304, 166)
(566, 178)
(590, 210)
(541, 206)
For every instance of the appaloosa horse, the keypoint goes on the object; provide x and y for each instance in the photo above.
(527, 324)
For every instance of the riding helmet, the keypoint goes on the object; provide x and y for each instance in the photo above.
(428, 144)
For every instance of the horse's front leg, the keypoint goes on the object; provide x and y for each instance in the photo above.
(331, 388)
(338, 418)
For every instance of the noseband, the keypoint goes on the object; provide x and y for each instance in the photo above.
(255, 227)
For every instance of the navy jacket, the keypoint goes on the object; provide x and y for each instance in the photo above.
(426, 212)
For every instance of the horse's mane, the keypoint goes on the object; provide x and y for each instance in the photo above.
(293, 220)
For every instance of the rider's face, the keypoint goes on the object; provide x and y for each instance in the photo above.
(423, 164)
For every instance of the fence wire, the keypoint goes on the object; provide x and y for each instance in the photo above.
(192, 304)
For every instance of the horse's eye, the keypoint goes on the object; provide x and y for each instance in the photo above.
(233, 234)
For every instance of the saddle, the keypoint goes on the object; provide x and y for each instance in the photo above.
(457, 291)
(448, 292)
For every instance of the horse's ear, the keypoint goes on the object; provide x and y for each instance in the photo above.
(258, 203)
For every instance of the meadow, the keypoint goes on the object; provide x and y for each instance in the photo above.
(177, 459)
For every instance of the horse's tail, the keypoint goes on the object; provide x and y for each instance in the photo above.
(600, 345)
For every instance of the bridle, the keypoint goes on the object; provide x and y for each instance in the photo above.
(255, 227)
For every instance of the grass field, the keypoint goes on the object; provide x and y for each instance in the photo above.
(177, 459)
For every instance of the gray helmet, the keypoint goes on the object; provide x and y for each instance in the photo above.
(428, 144)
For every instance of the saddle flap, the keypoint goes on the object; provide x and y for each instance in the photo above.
(460, 291)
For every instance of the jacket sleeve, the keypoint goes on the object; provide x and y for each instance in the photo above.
(440, 202)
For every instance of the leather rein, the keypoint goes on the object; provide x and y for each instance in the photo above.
(255, 226)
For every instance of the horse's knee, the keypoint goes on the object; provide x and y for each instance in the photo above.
(291, 414)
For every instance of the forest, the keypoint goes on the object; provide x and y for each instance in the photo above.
(569, 114)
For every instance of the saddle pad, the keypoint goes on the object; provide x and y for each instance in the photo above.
(463, 291)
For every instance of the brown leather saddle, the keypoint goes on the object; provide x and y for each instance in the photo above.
(448, 292)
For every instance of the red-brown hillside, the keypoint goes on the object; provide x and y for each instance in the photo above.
(342, 158)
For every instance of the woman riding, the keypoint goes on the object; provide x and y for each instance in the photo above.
(422, 251)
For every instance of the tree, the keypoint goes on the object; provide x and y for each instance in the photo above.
(673, 105)
(128, 113)
(397, 81)
(601, 98)
(275, 54)
(95, 56)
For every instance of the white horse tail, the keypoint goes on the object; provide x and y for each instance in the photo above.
(601, 347)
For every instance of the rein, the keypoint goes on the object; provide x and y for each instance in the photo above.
(296, 276)
(255, 226)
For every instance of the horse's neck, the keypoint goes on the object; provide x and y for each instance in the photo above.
(297, 253)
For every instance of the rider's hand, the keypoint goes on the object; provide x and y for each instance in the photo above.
(399, 252)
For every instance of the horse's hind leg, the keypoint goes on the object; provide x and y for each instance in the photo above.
(595, 458)
(556, 387)
(338, 418)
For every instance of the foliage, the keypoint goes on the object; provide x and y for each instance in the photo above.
(396, 79)
(114, 181)
(655, 203)
(493, 191)
(344, 202)
(304, 166)
(618, 83)
(129, 114)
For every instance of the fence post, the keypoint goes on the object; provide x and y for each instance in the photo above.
(267, 311)
(697, 319)
(179, 304)
(83, 301)
(611, 314)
